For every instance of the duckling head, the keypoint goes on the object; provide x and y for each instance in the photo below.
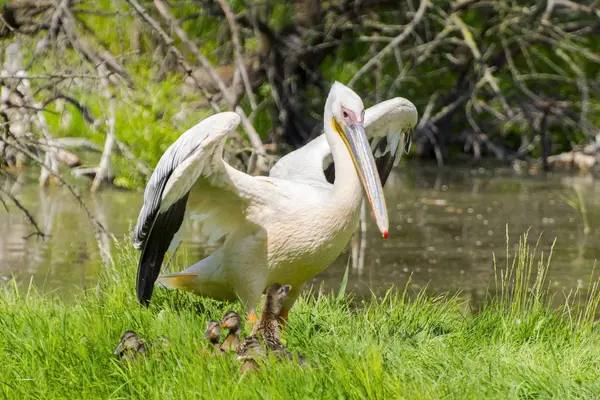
(164, 342)
(250, 349)
(232, 321)
(276, 295)
(213, 331)
(130, 342)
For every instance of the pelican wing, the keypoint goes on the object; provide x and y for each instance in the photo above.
(194, 158)
(386, 125)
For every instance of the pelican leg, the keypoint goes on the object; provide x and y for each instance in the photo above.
(252, 317)
(250, 298)
(288, 304)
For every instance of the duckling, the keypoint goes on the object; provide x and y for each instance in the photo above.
(249, 366)
(252, 350)
(163, 342)
(213, 333)
(130, 346)
(232, 321)
(267, 328)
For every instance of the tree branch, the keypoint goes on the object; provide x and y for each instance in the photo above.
(398, 40)
(238, 51)
(255, 140)
(38, 232)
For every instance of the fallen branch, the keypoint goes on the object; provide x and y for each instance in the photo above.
(85, 50)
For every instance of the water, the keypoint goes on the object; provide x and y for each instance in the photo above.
(444, 227)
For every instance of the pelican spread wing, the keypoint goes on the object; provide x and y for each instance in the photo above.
(386, 124)
(195, 158)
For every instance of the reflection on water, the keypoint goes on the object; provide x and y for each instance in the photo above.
(444, 226)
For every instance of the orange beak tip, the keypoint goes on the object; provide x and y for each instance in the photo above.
(385, 234)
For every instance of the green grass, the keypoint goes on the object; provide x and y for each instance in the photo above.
(402, 346)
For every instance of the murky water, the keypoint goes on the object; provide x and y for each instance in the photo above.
(444, 226)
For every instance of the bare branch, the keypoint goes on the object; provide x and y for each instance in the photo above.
(169, 42)
(38, 232)
(398, 40)
(104, 167)
(238, 51)
(98, 228)
(126, 152)
(255, 140)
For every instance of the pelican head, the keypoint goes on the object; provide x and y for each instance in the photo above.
(345, 113)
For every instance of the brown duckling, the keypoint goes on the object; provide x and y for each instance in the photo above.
(266, 331)
(231, 321)
(164, 342)
(130, 346)
(213, 333)
(253, 350)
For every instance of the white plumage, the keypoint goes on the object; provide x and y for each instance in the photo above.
(285, 228)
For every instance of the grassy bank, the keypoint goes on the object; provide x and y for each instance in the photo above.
(398, 347)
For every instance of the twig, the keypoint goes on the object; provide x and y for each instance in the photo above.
(582, 85)
(398, 40)
(51, 155)
(167, 15)
(170, 43)
(86, 51)
(83, 109)
(54, 76)
(238, 51)
(38, 232)
(126, 152)
(255, 140)
(462, 4)
(4, 204)
(98, 228)
(104, 166)
(487, 73)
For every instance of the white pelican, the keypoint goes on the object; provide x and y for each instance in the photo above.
(287, 227)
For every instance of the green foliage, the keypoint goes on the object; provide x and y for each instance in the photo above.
(399, 346)
(488, 71)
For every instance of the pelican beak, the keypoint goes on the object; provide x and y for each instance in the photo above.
(356, 140)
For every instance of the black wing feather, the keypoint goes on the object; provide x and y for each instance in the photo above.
(164, 228)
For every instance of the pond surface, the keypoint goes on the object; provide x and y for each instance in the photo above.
(445, 225)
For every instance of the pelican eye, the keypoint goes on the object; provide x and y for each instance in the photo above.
(345, 114)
